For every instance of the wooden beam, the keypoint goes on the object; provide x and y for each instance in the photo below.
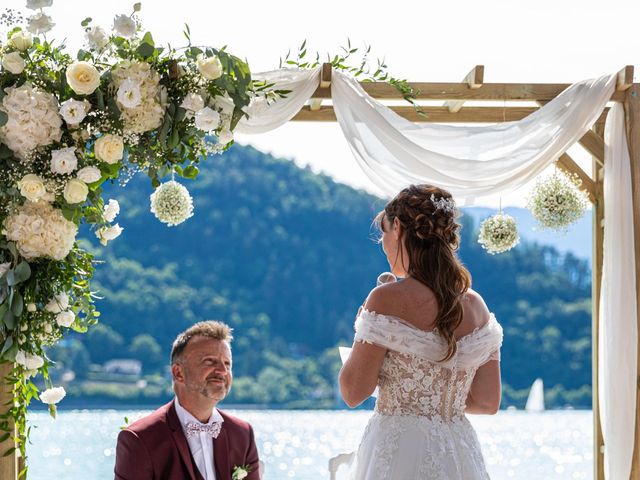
(325, 82)
(436, 114)
(473, 79)
(596, 285)
(625, 78)
(594, 144)
(8, 463)
(461, 91)
(568, 164)
(632, 117)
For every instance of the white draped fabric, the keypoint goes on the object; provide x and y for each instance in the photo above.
(617, 368)
(475, 161)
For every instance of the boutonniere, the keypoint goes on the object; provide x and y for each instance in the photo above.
(240, 472)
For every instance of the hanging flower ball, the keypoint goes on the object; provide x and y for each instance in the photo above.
(498, 233)
(557, 201)
(171, 203)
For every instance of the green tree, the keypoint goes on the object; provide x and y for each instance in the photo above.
(146, 349)
(104, 343)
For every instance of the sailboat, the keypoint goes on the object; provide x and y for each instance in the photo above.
(535, 401)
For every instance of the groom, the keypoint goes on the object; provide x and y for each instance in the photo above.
(189, 438)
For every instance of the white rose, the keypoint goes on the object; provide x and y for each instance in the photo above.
(225, 136)
(66, 318)
(224, 104)
(32, 187)
(37, 4)
(192, 102)
(124, 26)
(83, 78)
(73, 111)
(48, 328)
(21, 40)
(111, 210)
(40, 23)
(64, 160)
(129, 94)
(4, 268)
(58, 303)
(105, 234)
(13, 62)
(109, 148)
(97, 38)
(207, 119)
(209, 67)
(51, 396)
(75, 191)
(89, 174)
(241, 474)
(30, 362)
(31, 307)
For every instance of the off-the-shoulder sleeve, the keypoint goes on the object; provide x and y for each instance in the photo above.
(482, 345)
(394, 334)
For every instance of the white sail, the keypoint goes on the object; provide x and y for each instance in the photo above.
(535, 402)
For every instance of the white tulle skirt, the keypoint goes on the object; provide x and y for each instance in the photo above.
(418, 448)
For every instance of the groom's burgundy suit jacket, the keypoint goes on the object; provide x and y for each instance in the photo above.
(155, 448)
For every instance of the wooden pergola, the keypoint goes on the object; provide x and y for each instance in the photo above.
(453, 110)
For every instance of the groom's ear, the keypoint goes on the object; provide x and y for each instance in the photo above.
(176, 371)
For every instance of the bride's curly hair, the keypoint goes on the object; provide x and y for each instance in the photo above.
(427, 215)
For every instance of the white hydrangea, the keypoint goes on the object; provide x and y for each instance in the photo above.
(40, 230)
(33, 121)
(498, 233)
(149, 111)
(171, 203)
(556, 201)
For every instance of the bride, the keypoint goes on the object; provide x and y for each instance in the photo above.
(431, 346)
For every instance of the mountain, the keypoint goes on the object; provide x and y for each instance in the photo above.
(286, 256)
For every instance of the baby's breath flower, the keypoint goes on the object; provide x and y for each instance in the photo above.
(498, 233)
(171, 203)
(557, 201)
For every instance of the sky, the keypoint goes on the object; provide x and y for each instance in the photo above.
(555, 41)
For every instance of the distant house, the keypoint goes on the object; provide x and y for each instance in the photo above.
(124, 366)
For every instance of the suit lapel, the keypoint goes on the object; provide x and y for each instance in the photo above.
(221, 455)
(180, 440)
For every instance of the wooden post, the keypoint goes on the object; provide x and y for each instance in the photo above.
(596, 281)
(632, 117)
(9, 463)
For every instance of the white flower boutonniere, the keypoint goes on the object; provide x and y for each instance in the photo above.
(240, 472)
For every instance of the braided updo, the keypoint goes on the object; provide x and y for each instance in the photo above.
(427, 215)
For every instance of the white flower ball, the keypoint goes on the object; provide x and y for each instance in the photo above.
(498, 233)
(556, 201)
(171, 203)
(51, 396)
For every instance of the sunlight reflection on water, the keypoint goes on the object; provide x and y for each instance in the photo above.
(80, 444)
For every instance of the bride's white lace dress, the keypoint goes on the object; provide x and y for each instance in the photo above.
(419, 430)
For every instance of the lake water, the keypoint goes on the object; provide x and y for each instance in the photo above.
(80, 444)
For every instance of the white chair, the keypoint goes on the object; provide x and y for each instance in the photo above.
(335, 462)
(260, 468)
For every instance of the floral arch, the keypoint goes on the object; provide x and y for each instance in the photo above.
(124, 105)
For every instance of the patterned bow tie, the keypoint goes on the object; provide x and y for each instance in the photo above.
(212, 429)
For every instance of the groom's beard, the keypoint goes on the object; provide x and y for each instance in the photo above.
(214, 386)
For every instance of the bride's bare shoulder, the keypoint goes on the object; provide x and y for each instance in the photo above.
(475, 307)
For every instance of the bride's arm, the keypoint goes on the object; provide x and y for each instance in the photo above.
(486, 390)
(359, 375)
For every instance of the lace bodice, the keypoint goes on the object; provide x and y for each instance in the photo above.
(412, 381)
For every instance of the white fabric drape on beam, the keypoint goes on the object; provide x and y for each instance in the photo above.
(475, 161)
(617, 368)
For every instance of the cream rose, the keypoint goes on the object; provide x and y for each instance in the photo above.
(89, 174)
(75, 191)
(83, 78)
(21, 40)
(109, 148)
(111, 210)
(58, 303)
(66, 318)
(106, 234)
(13, 62)
(209, 67)
(124, 26)
(32, 187)
(207, 119)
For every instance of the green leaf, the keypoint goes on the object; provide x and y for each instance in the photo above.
(86, 22)
(7, 345)
(4, 118)
(17, 304)
(137, 7)
(145, 50)
(148, 39)
(22, 272)
(190, 172)
(9, 319)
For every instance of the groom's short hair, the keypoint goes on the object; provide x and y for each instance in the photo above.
(210, 329)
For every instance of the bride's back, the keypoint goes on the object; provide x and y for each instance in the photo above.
(413, 379)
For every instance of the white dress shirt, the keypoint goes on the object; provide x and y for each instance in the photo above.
(200, 444)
